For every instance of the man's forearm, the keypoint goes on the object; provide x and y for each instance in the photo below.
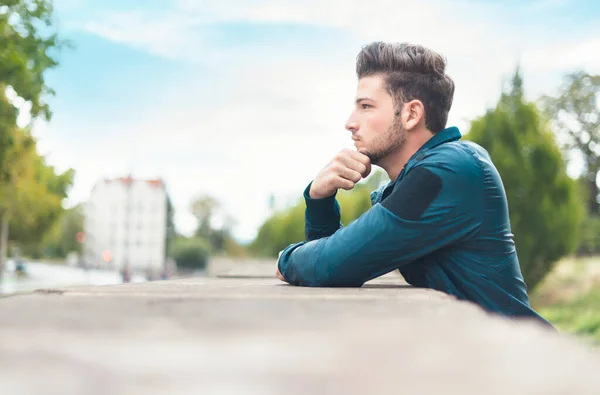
(322, 216)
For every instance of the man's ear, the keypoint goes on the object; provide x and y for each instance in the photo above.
(413, 112)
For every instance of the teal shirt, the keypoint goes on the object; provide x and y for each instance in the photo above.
(443, 224)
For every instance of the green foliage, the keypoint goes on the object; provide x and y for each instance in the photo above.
(170, 233)
(62, 237)
(355, 203)
(31, 191)
(190, 253)
(27, 42)
(569, 297)
(589, 240)
(287, 226)
(545, 211)
(221, 241)
(580, 316)
(575, 114)
(280, 230)
(204, 209)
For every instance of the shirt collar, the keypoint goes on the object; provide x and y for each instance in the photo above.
(444, 136)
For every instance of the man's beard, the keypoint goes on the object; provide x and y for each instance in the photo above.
(393, 139)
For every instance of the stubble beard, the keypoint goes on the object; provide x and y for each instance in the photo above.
(393, 139)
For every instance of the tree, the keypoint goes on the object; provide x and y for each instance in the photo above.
(545, 211)
(204, 209)
(31, 194)
(62, 238)
(27, 42)
(575, 114)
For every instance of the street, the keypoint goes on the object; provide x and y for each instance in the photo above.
(45, 275)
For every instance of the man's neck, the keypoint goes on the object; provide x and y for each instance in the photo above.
(395, 162)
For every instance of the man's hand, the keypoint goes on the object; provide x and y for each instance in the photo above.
(277, 272)
(344, 171)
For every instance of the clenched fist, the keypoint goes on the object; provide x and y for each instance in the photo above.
(344, 171)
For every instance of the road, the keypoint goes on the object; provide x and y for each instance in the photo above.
(45, 275)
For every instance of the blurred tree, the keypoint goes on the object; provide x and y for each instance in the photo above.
(171, 231)
(61, 239)
(285, 227)
(204, 209)
(27, 42)
(278, 231)
(220, 239)
(31, 194)
(575, 114)
(545, 211)
(589, 240)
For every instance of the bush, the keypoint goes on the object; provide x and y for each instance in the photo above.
(190, 253)
(589, 242)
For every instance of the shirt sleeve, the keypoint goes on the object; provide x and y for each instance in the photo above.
(322, 216)
(432, 207)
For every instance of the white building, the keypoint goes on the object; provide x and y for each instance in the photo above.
(125, 225)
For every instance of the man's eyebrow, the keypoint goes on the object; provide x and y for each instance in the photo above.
(358, 100)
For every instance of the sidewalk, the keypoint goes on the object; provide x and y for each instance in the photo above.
(245, 333)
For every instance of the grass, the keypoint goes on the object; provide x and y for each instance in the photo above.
(580, 316)
(569, 297)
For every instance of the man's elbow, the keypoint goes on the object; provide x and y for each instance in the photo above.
(331, 273)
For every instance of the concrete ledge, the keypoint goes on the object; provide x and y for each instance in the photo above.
(244, 335)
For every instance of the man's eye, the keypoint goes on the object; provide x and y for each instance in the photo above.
(365, 106)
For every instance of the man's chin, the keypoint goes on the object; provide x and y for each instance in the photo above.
(365, 152)
(372, 157)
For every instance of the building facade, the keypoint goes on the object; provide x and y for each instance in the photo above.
(125, 225)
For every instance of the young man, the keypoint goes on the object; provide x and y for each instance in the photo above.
(443, 218)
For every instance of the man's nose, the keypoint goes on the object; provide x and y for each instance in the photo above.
(351, 124)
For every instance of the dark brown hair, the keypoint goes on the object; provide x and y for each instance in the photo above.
(411, 72)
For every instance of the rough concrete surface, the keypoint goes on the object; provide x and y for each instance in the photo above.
(249, 334)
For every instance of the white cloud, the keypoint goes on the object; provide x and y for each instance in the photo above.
(541, 5)
(559, 57)
(159, 34)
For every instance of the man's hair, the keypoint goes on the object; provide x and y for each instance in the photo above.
(411, 72)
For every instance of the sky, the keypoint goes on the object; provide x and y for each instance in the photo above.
(244, 99)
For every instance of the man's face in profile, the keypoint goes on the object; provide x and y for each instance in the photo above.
(375, 129)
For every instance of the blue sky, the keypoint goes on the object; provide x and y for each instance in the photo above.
(243, 99)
